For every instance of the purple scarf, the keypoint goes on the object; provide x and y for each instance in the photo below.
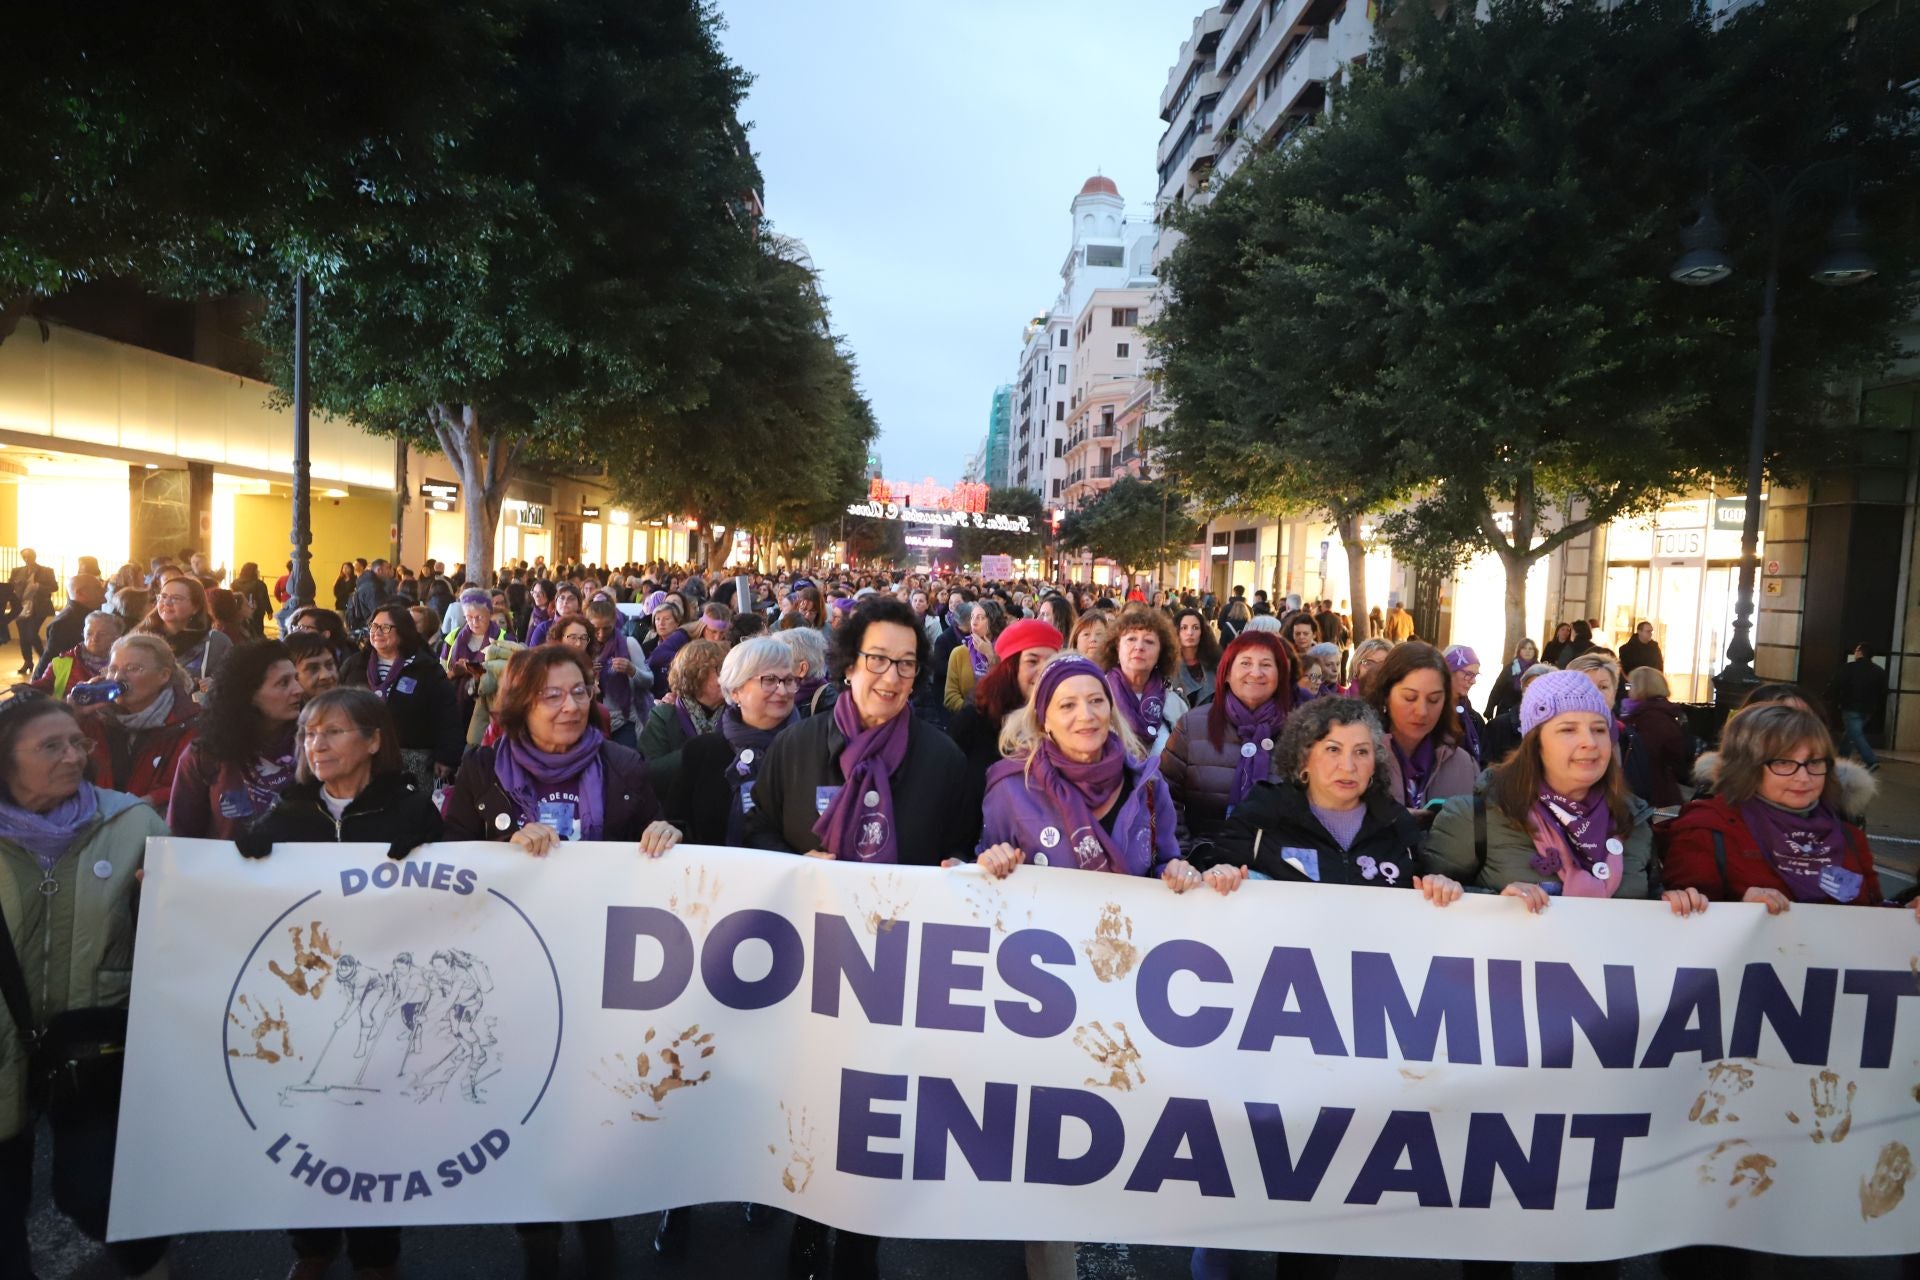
(980, 660)
(1143, 710)
(538, 620)
(1256, 729)
(858, 822)
(527, 774)
(385, 687)
(464, 644)
(1075, 791)
(1798, 846)
(749, 753)
(269, 773)
(1469, 728)
(1573, 843)
(48, 836)
(1415, 772)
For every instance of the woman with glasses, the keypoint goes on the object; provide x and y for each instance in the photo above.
(69, 857)
(242, 754)
(180, 617)
(552, 778)
(329, 626)
(1772, 828)
(465, 653)
(352, 788)
(669, 638)
(566, 603)
(866, 782)
(399, 667)
(713, 791)
(140, 736)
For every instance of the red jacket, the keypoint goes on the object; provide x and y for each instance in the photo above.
(1691, 864)
(147, 760)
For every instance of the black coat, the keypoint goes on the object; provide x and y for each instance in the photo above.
(1634, 654)
(426, 711)
(68, 629)
(391, 810)
(978, 738)
(479, 801)
(928, 791)
(700, 801)
(1275, 819)
(1506, 690)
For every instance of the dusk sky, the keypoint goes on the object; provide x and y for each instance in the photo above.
(926, 154)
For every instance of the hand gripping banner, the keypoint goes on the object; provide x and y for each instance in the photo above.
(328, 1037)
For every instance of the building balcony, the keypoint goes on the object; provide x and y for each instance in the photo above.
(1303, 83)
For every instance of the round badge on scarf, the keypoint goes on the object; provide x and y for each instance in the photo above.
(873, 799)
(1602, 871)
(1050, 836)
(1247, 749)
(1266, 744)
(1039, 859)
(746, 756)
(1614, 846)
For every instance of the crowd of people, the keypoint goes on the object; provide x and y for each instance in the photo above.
(877, 717)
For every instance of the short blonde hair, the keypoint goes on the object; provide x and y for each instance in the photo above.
(160, 653)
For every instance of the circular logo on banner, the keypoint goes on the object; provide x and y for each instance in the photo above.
(393, 990)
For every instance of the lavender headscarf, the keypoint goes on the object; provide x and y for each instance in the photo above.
(1076, 791)
(852, 828)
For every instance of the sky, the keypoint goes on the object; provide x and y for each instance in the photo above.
(926, 154)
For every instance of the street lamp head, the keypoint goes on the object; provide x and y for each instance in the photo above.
(1703, 259)
(1846, 261)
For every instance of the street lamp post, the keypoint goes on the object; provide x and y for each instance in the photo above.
(1704, 262)
(300, 579)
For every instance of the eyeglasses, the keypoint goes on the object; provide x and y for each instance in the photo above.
(553, 699)
(775, 684)
(328, 736)
(78, 744)
(382, 629)
(1816, 767)
(175, 597)
(878, 663)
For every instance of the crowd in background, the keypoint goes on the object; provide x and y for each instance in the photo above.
(880, 717)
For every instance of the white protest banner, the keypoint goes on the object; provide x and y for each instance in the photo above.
(996, 568)
(327, 1037)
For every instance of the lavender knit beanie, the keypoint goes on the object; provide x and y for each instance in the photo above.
(1560, 693)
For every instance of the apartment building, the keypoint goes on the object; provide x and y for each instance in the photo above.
(1108, 365)
(1111, 253)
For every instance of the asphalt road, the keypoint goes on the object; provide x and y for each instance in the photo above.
(722, 1243)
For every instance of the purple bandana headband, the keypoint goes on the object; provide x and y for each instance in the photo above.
(1058, 671)
(1460, 657)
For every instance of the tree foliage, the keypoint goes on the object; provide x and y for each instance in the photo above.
(1457, 286)
(1135, 523)
(781, 433)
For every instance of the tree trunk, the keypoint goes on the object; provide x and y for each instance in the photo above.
(719, 547)
(1515, 605)
(1349, 526)
(485, 462)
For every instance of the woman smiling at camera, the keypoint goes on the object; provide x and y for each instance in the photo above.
(1772, 830)
(1075, 790)
(1556, 817)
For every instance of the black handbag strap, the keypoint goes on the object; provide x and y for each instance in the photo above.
(13, 987)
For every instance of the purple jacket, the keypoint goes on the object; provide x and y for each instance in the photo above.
(662, 658)
(1026, 819)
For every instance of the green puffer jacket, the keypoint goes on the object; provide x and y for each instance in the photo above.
(76, 944)
(1510, 850)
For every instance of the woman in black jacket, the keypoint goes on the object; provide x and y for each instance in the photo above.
(554, 777)
(868, 782)
(350, 788)
(713, 788)
(402, 670)
(1333, 818)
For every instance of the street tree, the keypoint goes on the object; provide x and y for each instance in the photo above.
(188, 146)
(570, 289)
(780, 432)
(1457, 285)
(1135, 523)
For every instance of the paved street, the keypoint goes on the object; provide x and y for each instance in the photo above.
(725, 1247)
